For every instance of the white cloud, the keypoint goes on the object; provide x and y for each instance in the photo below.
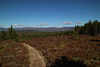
(17, 25)
(1, 25)
(78, 23)
(29, 25)
(42, 24)
(67, 23)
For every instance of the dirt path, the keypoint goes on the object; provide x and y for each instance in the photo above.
(34, 57)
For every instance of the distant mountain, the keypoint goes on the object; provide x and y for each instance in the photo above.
(4, 29)
(49, 29)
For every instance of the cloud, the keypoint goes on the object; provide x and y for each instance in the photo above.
(78, 23)
(67, 23)
(42, 24)
(29, 25)
(1, 25)
(17, 25)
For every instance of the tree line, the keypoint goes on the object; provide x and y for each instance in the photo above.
(9, 35)
(90, 28)
(26, 36)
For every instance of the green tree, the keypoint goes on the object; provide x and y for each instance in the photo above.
(94, 28)
(12, 34)
(90, 28)
(81, 30)
(99, 28)
(77, 28)
(86, 28)
(3, 35)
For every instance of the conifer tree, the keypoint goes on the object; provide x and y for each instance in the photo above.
(90, 28)
(12, 34)
(75, 28)
(99, 28)
(3, 35)
(81, 30)
(94, 28)
(86, 28)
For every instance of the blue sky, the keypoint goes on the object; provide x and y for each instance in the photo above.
(48, 13)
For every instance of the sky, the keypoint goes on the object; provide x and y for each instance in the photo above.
(48, 13)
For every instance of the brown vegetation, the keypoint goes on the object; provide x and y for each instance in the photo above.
(13, 54)
(85, 49)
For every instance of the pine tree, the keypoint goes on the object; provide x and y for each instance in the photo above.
(78, 28)
(3, 35)
(75, 28)
(86, 28)
(99, 28)
(81, 30)
(12, 34)
(90, 28)
(94, 28)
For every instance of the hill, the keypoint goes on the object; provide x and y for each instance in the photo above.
(49, 29)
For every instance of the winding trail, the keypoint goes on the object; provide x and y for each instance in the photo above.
(34, 57)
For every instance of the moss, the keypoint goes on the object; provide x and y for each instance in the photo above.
(2, 48)
(62, 45)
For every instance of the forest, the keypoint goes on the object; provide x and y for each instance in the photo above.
(90, 28)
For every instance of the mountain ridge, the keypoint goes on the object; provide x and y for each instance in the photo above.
(49, 29)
